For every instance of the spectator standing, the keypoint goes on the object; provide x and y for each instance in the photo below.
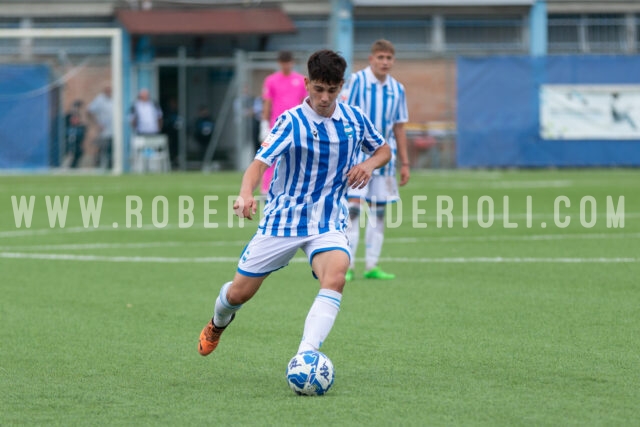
(75, 130)
(281, 90)
(101, 113)
(203, 128)
(172, 123)
(145, 115)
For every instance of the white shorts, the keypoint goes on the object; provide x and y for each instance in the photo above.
(380, 189)
(265, 253)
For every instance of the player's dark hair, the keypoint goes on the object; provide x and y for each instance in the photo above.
(326, 66)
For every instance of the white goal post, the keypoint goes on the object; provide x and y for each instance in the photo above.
(115, 37)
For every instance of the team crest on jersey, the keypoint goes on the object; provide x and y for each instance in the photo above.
(348, 130)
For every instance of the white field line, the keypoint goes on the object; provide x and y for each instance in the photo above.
(503, 184)
(134, 259)
(389, 240)
(82, 246)
(514, 260)
(533, 237)
(113, 190)
(455, 260)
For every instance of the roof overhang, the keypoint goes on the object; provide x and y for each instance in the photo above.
(206, 21)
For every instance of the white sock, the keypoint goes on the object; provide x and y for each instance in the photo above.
(223, 310)
(322, 314)
(374, 238)
(353, 232)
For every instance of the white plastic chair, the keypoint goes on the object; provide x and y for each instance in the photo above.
(150, 154)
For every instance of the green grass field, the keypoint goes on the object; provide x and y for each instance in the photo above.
(485, 325)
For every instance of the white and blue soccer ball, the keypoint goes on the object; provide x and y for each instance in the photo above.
(310, 373)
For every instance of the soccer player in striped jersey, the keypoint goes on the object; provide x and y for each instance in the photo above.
(383, 99)
(315, 148)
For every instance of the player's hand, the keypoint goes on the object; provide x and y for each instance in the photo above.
(405, 173)
(358, 176)
(245, 207)
(264, 130)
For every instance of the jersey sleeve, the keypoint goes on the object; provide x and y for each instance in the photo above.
(372, 139)
(402, 115)
(278, 141)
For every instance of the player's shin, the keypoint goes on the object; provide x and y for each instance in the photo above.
(353, 231)
(320, 319)
(374, 238)
(223, 309)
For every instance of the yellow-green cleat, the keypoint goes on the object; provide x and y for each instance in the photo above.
(350, 275)
(377, 273)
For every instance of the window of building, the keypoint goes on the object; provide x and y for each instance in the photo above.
(484, 35)
(407, 35)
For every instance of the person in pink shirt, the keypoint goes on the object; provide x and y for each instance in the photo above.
(282, 90)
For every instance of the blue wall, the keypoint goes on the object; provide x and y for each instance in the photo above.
(24, 116)
(498, 111)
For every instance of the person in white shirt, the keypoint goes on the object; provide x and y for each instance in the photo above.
(145, 115)
(101, 113)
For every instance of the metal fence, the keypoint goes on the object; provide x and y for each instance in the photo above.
(595, 34)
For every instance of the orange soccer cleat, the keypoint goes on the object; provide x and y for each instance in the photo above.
(210, 337)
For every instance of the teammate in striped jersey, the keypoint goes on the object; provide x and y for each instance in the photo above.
(315, 147)
(383, 99)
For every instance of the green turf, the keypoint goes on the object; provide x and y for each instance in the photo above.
(483, 326)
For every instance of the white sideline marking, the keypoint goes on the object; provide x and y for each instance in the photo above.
(79, 246)
(499, 260)
(457, 260)
(73, 257)
(391, 240)
(523, 238)
(41, 231)
(504, 184)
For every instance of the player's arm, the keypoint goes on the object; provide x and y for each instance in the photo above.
(359, 175)
(403, 156)
(245, 205)
(266, 109)
(267, 105)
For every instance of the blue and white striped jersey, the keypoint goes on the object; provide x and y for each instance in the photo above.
(384, 103)
(314, 153)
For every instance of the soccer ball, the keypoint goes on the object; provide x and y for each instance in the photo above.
(310, 373)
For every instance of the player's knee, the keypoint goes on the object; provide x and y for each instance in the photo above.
(335, 282)
(240, 294)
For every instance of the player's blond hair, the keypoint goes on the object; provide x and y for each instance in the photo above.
(383, 45)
